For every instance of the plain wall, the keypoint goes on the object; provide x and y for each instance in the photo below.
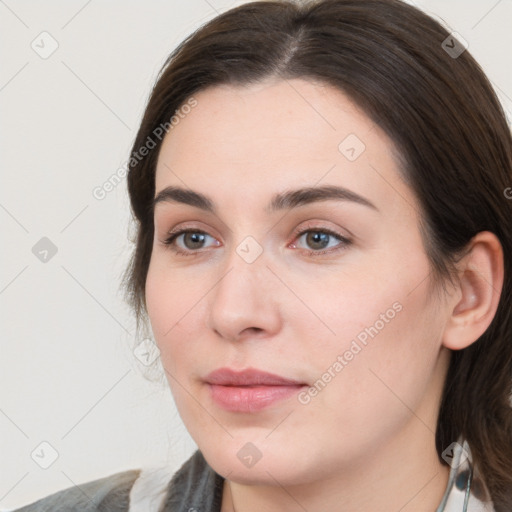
(68, 374)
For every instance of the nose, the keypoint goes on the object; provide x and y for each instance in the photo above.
(245, 302)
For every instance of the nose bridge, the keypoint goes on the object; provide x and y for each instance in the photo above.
(243, 297)
(246, 265)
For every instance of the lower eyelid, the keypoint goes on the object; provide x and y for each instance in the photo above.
(340, 246)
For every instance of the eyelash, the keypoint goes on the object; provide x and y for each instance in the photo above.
(344, 241)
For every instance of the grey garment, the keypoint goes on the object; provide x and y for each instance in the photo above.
(195, 487)
(109, 494)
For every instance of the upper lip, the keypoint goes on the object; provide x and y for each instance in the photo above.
(248, 377)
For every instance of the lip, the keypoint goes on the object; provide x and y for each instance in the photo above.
(249, 390)
(248, 377)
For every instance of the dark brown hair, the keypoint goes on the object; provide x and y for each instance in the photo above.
(448, 126)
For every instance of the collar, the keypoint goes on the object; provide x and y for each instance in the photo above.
(466, 490)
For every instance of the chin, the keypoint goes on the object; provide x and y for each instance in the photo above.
(288, 466)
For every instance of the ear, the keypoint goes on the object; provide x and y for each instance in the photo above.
(478, 291)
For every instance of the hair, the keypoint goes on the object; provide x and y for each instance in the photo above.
(448, 127)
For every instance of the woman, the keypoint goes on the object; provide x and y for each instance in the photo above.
(324, 256)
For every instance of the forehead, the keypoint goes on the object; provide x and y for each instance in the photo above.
(276, 135)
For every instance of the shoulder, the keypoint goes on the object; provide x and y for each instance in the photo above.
(108, 494)
(194, 485)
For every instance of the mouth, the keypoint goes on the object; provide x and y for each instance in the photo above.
(249, 390)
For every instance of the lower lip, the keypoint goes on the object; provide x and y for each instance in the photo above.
(250, 399)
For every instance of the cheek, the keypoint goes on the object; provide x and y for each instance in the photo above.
(176, 307)
(380, 364)
(170, 298)
(384, 330)
(159, 302)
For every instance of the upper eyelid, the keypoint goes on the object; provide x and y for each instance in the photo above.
(316, 224)
(160, 216)
(296, 232)
(189, 226)
(310, 224)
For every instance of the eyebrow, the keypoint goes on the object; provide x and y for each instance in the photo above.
(281, 201)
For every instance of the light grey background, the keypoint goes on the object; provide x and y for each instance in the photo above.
(68, 374)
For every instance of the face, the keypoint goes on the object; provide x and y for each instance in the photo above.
(327, 288)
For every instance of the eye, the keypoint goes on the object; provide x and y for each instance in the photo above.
(315, 241)
(319, 241)
(187, 241)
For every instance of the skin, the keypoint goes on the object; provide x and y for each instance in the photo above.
(366, 440)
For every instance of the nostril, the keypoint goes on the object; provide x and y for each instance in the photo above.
(251, 331)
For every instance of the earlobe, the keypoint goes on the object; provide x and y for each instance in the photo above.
(479, 290)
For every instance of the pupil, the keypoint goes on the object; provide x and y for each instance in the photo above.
(318, 240)
(195, 239)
